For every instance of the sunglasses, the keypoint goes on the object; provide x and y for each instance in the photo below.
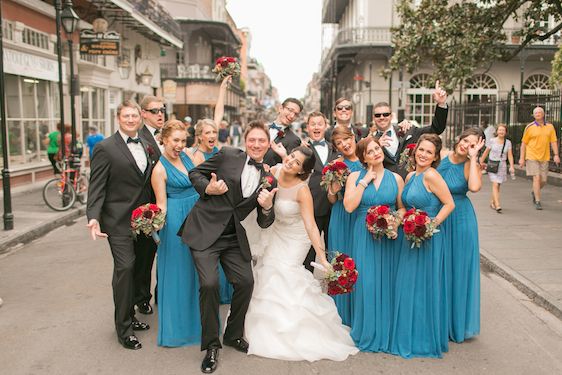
(385, 114)
(155, 111)
(342, 107)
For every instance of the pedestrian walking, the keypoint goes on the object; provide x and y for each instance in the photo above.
(234, 134)
(535, 152)
(498, 151)
(93, 139)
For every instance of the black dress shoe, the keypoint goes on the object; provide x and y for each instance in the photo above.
(140, 326)
(239, 344)
(210, 362)
(131, 342)
(145, 308)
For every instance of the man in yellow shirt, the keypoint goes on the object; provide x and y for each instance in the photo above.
(535, 151)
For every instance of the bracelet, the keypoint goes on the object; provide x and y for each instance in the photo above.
(363, 183)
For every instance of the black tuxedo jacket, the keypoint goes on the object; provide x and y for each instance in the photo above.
(210, 215)
(437, 127)
(117, 185)
(289, 140)
(322, 205)
(147, 136)
(358, 132)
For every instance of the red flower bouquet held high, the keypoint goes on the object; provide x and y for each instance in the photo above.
(342, 277)
(418, 226)
(335, 171)
(226, 66)
(147, 219)
(407, 158)
(381, 221)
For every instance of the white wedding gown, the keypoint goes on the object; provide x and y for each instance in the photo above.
(289, 317)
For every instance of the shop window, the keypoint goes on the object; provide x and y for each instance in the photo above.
(420, 104)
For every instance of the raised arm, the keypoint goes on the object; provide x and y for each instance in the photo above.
(354, 191)
(219, 107)
(474, 173)
(304, 197)
(439, 122)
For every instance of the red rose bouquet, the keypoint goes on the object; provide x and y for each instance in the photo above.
(381, 221)
(147, 219)
(418, 226)
(335, 171)
(226, 66)
(342, 277)
(407, 158)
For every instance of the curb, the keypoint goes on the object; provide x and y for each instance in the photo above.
(527, 287)
(41, 229)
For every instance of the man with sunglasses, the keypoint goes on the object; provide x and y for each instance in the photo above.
(394, 141)
(281, 131)
(343, 113)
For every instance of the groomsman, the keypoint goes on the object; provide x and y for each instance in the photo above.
(281, 131)
(394, 141)
(152, 112)
(343, 113)
(316, 125)
(119, 183)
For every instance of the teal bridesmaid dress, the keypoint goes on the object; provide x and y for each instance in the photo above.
(419, 326)
(376, 260)
(340, 239)
(179, 322)
(462, 257)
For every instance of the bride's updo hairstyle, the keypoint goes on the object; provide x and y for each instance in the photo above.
(169, 127)
(308, 163)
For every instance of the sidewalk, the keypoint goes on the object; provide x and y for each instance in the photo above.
(522, 245)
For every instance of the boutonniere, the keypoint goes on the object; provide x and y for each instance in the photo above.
(280, 134)
(359, 132)
(266, 182)
(151, 153)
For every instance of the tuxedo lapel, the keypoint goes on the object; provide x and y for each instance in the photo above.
(122, 146)
(149, 161)
(240, 162)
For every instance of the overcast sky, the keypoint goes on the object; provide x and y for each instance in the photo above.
(286, 38)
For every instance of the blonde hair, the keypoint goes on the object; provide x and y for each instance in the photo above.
(201, 124)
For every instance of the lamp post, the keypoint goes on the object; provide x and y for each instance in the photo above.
(58, 8)
(8, 216)
(69, 23)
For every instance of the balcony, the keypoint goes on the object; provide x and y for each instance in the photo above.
(514, 40)
(332, 10)
(194, 71)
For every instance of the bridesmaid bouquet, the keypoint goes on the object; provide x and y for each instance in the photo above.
(335, 171)
(406, 158)
(342, 277)
(381, 221)
(147, 219)
(418, 226)
(226, 66)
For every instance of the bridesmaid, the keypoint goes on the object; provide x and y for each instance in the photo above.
(206, 132)
(419, 327)
(341, 222)
(461, 171)
(375, 260)
(178, 298)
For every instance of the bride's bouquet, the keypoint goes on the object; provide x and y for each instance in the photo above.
(418, 226)
(226, 66)
(335, 171)
(147, 219)
(382, 221)
(342, 277)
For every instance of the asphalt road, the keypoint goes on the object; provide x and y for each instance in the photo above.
(57, 318)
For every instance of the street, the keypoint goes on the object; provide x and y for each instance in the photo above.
(58, 309)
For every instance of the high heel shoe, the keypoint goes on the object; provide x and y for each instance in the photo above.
(499, 210)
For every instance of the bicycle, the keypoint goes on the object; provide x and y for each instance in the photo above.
(60, 193)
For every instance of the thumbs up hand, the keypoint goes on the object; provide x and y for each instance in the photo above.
(439, 95)
(216, 187)
(265, 198)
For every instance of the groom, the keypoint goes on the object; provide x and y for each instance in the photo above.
(229, 185)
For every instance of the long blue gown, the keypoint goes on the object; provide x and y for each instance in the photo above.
(226, 289)
(376, 261)
(340, 239)
(419, 327)
(179, 322)
(462, 257)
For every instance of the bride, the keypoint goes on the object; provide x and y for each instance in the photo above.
(289, 317)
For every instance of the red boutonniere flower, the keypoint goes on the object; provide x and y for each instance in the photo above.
(280, 134)
(266, 182)
(150, 150)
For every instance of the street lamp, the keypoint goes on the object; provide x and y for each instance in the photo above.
(70, 22)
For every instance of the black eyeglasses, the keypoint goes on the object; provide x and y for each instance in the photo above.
(385, 114)
(155, 111)
(342, 107)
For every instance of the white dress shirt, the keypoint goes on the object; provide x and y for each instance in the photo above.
(157, 140)
(137, 150)
(393, 146)
(249, 179)
(322, 151)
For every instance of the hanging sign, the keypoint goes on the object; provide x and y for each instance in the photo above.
(99, 44)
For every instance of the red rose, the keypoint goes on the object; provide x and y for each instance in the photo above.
(371, 218)
(409, 212)
(137, 212)
(153, 207)
(422, 213)
(269, 179)
(419, 220)
(148, 214)
(419, 231)
(333, 284)
(334, 291)
(342, 280)
(349, 264)
(280, 134)
(409, 227)
(383, 210)
(338, 267)
(340, 165)
(325, 169)
(381, 223)
(342, 257)
(411, 146)
(353, 277)
(231, 59)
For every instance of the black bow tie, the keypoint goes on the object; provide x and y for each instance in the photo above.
(133, 140)
(156, 132)
(259, 166)
(319, 143)
(388, 132)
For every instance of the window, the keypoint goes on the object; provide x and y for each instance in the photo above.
(93, 110)
(35, 38)
(420, 106)
(481, 91)
(8, 30)
(536, 84)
